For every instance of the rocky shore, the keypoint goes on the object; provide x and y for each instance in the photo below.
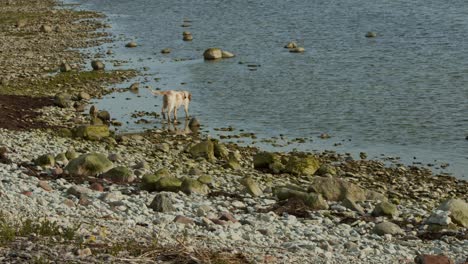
(72, 191)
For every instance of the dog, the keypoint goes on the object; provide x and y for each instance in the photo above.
(173, 100)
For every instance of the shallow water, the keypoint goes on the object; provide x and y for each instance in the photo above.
(404, 93)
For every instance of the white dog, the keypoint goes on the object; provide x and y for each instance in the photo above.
(173, 100)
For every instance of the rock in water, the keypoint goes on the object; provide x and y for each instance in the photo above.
(371, 34)
(131, 44)
(297, 50)
(97, 65)
(227, 54)
(134, 86)
(291, 45)
(213, 54)
(166, 51)
(89, 165)
(162, 202)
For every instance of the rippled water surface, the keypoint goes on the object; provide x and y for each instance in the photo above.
(404, 93)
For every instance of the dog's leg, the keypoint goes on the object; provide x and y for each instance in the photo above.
(175, 114)
(186, 111)
(164, 107)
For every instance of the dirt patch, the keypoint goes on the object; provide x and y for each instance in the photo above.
(19, 112)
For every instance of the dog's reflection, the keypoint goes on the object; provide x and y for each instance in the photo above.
(178, 129)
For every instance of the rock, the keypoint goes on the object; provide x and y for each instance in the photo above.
(205, 179)
(95, 186)
(57, 171)
(336, 189)
(93, 111)
(212, 54)
(65, 67)
(166, 51)
(226, 216)
(61, 158)
(187, 37)
(371, 34)
(84, 96)
(433, 259)
(131, 44)
(183, 220)
(119, 174)
(351, 205)
(227, 54)
(77, 191)
(142, 165)
(109, 52)
(190, 186)
(312, 200)
(45, 29)
(194, 125)
(71, 154)
(203, 149)
(82, 253)
(162, 202)
(169, 184)
(134, 87)
(251, 186)
(97, 65)
(291, 45)
(186, 33)
(163, 172)
(104, 116)
(387, 228)
(91, 132)
(302, 165)
(439, 217)
(45, 185)
(220, 150)
(385, 209)
(63, 100)
(458, 211)
(326, 169)
(89, 165)
(46, 160)
(233, 164)
(297, 50)
(20, 23)
(148, 182)
(268, 161)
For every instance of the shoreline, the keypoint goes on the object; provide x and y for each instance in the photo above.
(336, 232)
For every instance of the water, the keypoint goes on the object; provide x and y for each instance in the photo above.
(404, 93)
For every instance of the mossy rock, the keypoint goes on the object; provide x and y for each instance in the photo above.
(268, 161)
(336, 189)
(148, 182)
(71, 154)
(203, 149)
(302, 165)
(169, 184)
(64, 132)
(385, 209)
(313, 200)
(190, 186)
(61, 157)
(46, 160)
(220, 150)
(205, 179)
(251, 186)
(458, 211)
(119, 174)
(89, 165)
(92, 132)
(163, 172)
(325, 169)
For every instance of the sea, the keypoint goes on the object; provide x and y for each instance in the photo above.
(401, 97)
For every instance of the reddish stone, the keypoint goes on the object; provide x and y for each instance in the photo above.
(84, 201)
(433, 259)
(27, 193)
(227, 217)
(57, 171)
(183, 220)
(97, 187)
(44, 185)
(219, 222)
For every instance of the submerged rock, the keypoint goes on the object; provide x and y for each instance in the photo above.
(212, 54)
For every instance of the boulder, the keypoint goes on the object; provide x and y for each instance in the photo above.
(387, 228)
(162, 202)
(169, 184)
(148, 182)
(268, 161)
(45, 29)
(297, 50)
(46, 160)
(371, 34)
(313, 200)
(163, 172)
(90, 164)
(104, 116)
(205, 179)
(190, 186)
(385, 209)
(119, 174)
(336, 189)
(92, 132)
(131, 44)
(203, 149)
(65, 67)
(63, 100)
(325, 169)
(352, 205)
(227, 54)
(97, 65)
(439, 217)
(251, 186)
(458, 211)
(291, 45)
(212, 54)
(302, 165)
(220, 150)
(166, 51)
(71, 154)
(188, 37)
